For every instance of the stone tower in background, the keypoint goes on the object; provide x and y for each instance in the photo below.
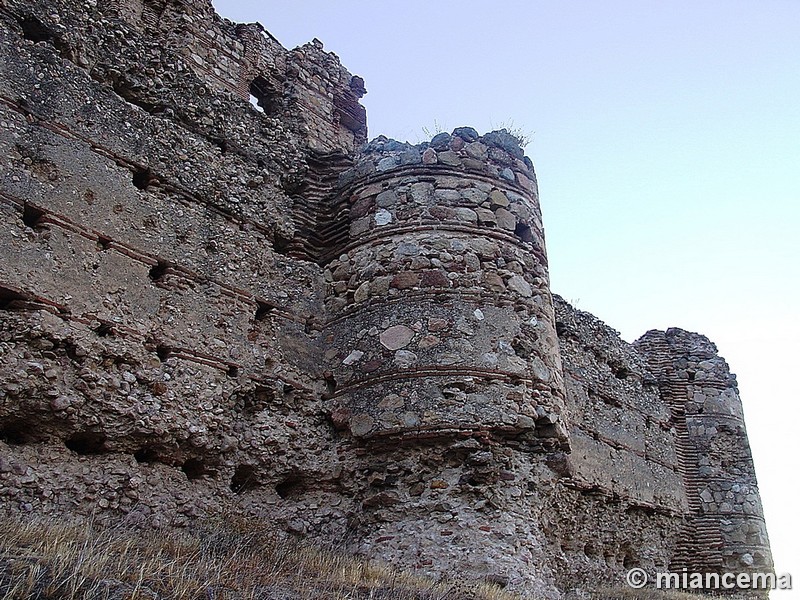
(216, 296)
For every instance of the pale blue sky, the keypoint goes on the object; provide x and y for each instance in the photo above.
(666, 139)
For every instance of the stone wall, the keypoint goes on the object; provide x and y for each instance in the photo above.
(211, 306)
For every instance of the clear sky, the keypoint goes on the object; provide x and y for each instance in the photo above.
(666, 139)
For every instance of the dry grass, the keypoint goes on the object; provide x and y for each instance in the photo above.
(226, 560)
(230, 559)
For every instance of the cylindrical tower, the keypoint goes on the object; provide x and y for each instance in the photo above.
(725, 527)
(440, 318)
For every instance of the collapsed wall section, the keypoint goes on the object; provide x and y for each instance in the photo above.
(246, 60)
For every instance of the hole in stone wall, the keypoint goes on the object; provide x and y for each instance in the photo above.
(163, 352)
(264, 96)
(158, 270)
(523, 232)
(32, 216)
(233, 371)
(690, 375)
(142, 178)
(146, 455)
(194, 468)
(561, 329)
(244, 479)
(104, 329)
(263, 310)
(330, 383)
(34, 30)
(289, 488)
(10, 299)
(590, 550)
(281, 244)
(103, 242)
(16, 433)
(628, 561)
(221, 143)
(619, 371)
(87, 443)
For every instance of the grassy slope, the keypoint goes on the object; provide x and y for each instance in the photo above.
(229, 559)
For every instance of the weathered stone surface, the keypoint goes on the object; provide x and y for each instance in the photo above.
(209, 306)
(396, 337)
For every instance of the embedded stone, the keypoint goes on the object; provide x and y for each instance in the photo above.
(428, 341)
(386, 163)
(382, 217)
(359, 227)
(468, 134)
(448, 195)
(505, 220)
(396, 337)
(539, 369)
(429, 157)
(361, 425)
(466, 215)
(507, 174)
(361, 293)
(435, 278)
(498, 198)
(474, 195)
(405, 280)
(435, 324)
(410, 157)
(472, 262)
(391, 401)
(494, 282)
(518, 284)
(441, 141)
(386, 199)
(353, 357)
(477, 151)
(361, 208)
(371, 365)
(422, 193)
(474, 164)
(449, 158)
(404, 359)
(407, 249)
(486, 216)
(409, 419)
(528, 184)
(442, 213)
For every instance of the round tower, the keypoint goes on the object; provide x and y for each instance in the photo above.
(440, 318)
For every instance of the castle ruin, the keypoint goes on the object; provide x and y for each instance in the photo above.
(216, 296)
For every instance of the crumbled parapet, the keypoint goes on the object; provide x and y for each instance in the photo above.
(441, 319)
